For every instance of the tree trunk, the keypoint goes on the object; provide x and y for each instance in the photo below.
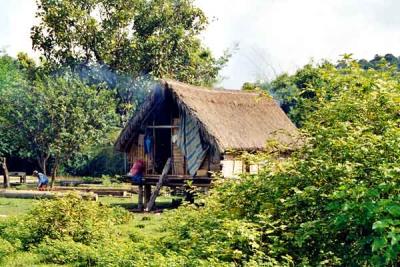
(43, 163)
(54, 173)
(6, 183)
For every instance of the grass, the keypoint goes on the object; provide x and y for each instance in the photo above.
(14, 206)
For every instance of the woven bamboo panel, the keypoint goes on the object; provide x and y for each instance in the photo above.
(178, 166)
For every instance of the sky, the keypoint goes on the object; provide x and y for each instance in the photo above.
(266, 37)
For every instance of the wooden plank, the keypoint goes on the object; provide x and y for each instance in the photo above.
(156, 191)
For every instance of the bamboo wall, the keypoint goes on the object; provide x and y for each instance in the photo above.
(178, 159)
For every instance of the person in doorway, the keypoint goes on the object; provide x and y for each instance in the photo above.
(136, 172)
(43, 181)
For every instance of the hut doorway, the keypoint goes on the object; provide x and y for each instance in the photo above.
(162, 144)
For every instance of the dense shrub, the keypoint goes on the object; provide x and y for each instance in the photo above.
(68, 230)
(83, 221)
(5, 248)
(63, 251)
(207, 236)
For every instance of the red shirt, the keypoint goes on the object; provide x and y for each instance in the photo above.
(137, 168)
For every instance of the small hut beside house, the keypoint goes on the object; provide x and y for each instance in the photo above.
(198, 129)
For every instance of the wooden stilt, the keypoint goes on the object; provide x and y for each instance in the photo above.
(147, 194)
(140, 197)
(154, 195)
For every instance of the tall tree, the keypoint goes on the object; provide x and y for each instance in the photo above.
(140, 37)
(11, 78)
(59, 116)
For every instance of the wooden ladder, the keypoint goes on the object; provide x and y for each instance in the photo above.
(160, 182)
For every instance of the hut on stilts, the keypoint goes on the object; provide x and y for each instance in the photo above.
(184, 132)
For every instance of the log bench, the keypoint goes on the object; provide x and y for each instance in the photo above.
(21, 175)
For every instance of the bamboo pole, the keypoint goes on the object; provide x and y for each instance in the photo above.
(154, 195)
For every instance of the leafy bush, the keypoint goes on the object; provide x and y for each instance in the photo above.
(63, 251)
(5, 248)
(83, 221)
(68, 230)
(334, 202)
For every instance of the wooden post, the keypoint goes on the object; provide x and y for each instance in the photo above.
(6, 181)
(147, 194)
(140, 197)
(154, 195)
(23, 178)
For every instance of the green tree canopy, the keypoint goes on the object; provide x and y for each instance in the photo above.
(11, 78)
(59, 116)
(379, 62)
(300, 94)
(139, 37)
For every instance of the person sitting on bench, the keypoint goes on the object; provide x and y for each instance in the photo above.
(136, 172)
(43, 181)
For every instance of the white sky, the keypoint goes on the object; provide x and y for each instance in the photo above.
(273, 36)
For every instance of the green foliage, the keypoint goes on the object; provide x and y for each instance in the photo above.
(69, 230)
(5, 248)
(64, 251)
(250, 87)
(82, 221)
(334, 202)
(70, 217)
(301, 94)
(206, 237)
(139, 37)
(59, 116)
(380, 62)
(101, 159)
(11, 77)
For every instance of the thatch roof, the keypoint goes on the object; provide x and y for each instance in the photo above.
(228, 119)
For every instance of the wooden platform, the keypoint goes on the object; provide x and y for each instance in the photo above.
(178, 180)
(175, 180)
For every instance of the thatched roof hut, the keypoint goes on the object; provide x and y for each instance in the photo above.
(227, 119)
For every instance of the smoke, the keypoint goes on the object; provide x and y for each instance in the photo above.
(130, 90)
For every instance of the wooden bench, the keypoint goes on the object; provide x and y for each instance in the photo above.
(21, 175)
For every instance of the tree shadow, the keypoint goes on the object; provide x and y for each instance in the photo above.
(159, 206)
